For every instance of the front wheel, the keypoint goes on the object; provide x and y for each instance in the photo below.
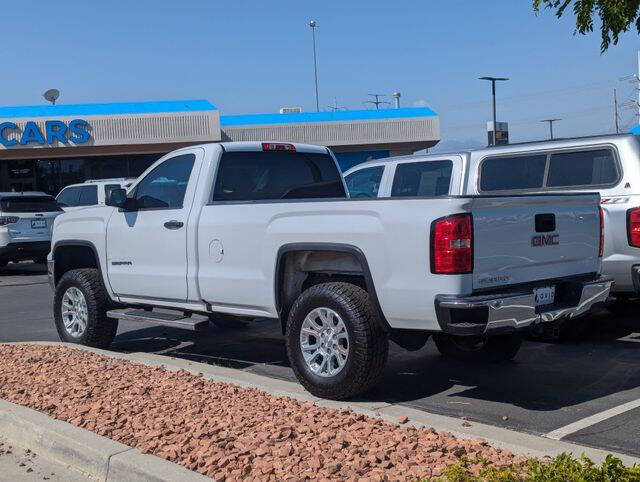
(80, 309)
(335, 342)
(496, 348)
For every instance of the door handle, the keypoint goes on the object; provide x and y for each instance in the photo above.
(173, 224)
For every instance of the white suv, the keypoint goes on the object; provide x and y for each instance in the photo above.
(89, 193)
(26, 222)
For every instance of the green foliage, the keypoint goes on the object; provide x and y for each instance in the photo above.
(561, 468)
(616, 16)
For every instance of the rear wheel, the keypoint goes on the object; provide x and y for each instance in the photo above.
(625, 307)
(80, 309)
(335, 342)
(479, 348)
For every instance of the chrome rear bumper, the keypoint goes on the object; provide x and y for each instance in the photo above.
(517, 310)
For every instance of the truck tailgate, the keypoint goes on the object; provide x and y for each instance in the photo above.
(522, 239)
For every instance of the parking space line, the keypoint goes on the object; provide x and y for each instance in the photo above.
(574, 427)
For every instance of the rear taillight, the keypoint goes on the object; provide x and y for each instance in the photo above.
(601, 251)
(452, 244)
(277, 146)
(4, 220)
(633, 227)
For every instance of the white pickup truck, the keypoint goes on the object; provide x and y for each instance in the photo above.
(267, 230)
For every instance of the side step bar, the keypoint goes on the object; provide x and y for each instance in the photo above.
(174, 320)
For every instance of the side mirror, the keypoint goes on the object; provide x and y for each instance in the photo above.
(116, 198)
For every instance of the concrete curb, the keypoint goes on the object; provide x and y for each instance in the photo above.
(85, 451)
(517, 442)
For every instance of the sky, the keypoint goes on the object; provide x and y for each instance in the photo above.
(256, 56)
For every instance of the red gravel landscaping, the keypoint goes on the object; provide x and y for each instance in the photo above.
(222, 430)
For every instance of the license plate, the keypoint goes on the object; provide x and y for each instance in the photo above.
(545, 295)
(38, 223)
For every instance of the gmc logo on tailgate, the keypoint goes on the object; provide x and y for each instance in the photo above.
(545, 240)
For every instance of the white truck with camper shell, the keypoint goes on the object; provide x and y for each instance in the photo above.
(92, 192)
(609, 165)
(266, 230)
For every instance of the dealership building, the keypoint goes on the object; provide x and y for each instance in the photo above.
(47, 147)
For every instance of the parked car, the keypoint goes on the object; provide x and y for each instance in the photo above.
(609, 165)
(267, 230)
(89, 193)
(26, 221)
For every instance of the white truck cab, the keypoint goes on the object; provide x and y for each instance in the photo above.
(266, 229)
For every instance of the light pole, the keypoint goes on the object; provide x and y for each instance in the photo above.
(550, 121)
(313, 26)
(493, 81)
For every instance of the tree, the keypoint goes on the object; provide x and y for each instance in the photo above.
(616, 16)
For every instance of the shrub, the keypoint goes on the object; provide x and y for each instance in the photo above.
(563, 468)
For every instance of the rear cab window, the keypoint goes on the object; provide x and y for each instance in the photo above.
(29, 204)
(365, 182)
(429, 178)
(277, 175)
(594, 167)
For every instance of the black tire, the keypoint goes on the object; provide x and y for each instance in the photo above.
(368, 342)
(625, 308)
(100, 330)
(228, 322)
(497, 348)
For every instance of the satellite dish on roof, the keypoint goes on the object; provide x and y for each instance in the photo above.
(51, 95)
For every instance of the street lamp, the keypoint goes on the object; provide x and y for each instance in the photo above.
(313, 26)
(550, 121)
(493, 81)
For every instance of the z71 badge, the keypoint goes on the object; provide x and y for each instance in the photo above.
(545, 240)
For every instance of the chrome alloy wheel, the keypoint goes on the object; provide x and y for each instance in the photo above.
(324, 341)
(74, 312)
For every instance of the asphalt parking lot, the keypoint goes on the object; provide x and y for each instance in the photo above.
(585, 389)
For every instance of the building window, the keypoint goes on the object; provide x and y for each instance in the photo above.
(51, 175)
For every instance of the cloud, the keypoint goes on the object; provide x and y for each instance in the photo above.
(420, 103)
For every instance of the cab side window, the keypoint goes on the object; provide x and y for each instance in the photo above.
(430, 178)
(110, 187)
(365, 183)
(68, 197)
(88, 196)
(165, 186)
